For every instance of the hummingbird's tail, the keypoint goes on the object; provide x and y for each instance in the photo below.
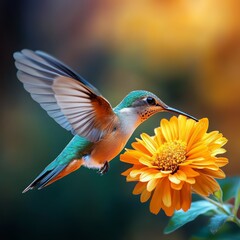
(47, 177)
(69, 160)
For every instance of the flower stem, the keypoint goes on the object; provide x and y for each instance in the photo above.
(236, 220)
(219, 205)
(232, 218)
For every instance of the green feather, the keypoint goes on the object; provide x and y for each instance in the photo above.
(76, 149)
(131, 98)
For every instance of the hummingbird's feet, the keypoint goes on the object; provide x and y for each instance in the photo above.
(104, 169)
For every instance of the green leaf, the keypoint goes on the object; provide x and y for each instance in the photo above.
(180, 217)
(218, 195)
(216, 222)
(229, 187)
(237, 200)
(226, 232)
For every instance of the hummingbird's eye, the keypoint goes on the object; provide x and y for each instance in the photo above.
(151, 101)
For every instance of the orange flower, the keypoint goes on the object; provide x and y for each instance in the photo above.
(178, 160)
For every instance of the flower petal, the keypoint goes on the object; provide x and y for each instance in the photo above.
(211, 137)
(221, 161)
(166, 197)
(140, 148)
(200, 128)
(147, 161)
(177, 186)
(190, 180)
(189, 171)
(173, 178)
(205, 185)
(145, 195)
(189, 128)
(197, 151)
(140, 186)
(131, 157)
(174, 127)
(136, 172)
(148, 175)
(155, 204)
(166, 130)
(182, 127)
(168, 210)
(176, 198)
(149, 143)
(151, 185)
(186, 197)
(125, 173)
(131, 179)
(216, 174)
(218, 151)
(159, 136)
(181, 175)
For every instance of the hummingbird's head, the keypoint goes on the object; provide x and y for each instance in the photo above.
(144, 104)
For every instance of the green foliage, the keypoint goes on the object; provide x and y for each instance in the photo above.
(230, 186)
(218, 195)
(226, 232)
(222, 208)
(180, 217)
(237, 199)
(217, 221)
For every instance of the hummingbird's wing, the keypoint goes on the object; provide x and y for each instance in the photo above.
(68, 98)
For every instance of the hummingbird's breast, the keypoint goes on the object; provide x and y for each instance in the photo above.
(106, 149)
(112, 144)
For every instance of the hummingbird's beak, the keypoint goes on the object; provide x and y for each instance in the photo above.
(170, 109)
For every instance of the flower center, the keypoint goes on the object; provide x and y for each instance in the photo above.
(170, 154)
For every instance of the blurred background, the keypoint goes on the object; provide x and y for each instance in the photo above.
(187, 52)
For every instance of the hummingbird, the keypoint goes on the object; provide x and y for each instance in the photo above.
(100, 131)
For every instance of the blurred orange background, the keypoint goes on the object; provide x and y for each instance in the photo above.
(187, 52)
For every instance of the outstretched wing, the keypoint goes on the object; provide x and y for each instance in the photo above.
(68, 98)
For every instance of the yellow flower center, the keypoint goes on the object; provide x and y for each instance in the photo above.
(170, 155)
